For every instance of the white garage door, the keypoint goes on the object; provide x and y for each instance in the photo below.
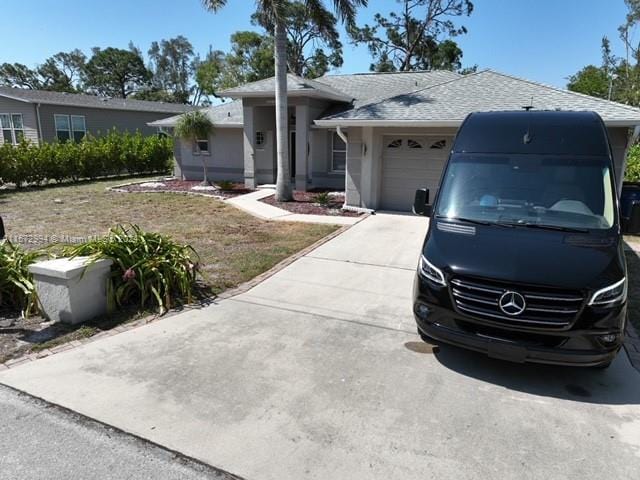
(410, 163)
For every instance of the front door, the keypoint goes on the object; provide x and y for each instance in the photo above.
(292, 153)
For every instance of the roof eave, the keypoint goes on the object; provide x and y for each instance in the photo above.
(17, 99)
(290, 93)
(387, 123)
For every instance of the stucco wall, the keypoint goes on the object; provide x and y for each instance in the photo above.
(28, 111)
(225, 161)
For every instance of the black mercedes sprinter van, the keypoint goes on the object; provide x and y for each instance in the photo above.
(523, 258)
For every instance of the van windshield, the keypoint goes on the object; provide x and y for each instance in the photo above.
(540, 190)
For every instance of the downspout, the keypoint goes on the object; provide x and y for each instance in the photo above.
(40, 138)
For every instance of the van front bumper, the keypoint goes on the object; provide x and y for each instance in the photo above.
(582, 345)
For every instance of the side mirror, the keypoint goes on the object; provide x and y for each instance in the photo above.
(421, 203)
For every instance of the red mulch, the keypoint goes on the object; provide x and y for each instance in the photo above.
(305, 202)
(175, 185)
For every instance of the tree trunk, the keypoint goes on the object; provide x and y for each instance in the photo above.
(205, 180)
(283, 180)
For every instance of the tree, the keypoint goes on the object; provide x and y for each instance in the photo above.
(194, 126)
(19, 75)
(308, 38)
(416, 38)
(275, 11)
(63, 71)
(591, 80)
(208, 75)
(171, 65)
(250, 59)
(116, 72)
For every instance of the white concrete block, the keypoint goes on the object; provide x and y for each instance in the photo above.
(72, 290)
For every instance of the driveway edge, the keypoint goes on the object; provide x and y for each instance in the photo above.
(92, 423)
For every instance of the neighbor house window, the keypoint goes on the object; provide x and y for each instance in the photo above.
(201, 147)
(70, 127)
(259, 139)
(338, 154)
(12, 127)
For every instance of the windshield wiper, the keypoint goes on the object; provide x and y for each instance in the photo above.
(472, 221)
(544, 226)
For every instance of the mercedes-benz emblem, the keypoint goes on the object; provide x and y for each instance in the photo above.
(512, 303)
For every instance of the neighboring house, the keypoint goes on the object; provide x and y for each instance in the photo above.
(380, 136)
(39, 115)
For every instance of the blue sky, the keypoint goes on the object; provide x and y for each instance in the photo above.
(542, 40)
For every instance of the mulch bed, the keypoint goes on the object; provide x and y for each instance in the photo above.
(306, 202)
(187, 186)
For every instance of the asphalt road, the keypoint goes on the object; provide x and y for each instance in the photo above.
(41, 441)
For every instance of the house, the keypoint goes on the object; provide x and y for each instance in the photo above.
(43, 116)
(380, 136)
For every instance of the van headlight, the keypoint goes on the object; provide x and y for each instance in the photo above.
(430, 271)
(611, 295)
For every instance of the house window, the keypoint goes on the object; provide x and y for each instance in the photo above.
(201, 147)
(78, 127)
(397, 143)
(338, 154)
(70, 127)
(259, 139)
(439, 145)
(413, 143)
(12, 127)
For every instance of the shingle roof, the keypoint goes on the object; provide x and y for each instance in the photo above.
(370, 87)
(224, 115)
(90, 101)
(295, 85)
(450, 102)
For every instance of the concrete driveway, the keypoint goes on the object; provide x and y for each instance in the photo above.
(317, 374)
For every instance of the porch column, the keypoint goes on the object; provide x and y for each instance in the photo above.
(302, 146)
(249, 151)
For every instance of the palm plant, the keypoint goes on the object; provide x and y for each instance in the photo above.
(275, 12)
(195, 126)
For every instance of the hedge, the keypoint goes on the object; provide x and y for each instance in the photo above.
(113, 154)
(632, 172)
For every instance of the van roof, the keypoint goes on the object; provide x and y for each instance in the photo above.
(533, 132)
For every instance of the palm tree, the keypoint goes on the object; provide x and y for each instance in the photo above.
(275, 11)
(196, 126)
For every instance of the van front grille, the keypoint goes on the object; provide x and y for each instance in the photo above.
(544, 308)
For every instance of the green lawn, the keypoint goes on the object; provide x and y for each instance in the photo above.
(233, 246)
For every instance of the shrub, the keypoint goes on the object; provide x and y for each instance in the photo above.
(632, 172)
(323, 198)
(113, 154)
(148, 268)
(225, 185)
(17, 291)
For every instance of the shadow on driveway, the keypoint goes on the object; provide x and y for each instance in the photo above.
(617, 385)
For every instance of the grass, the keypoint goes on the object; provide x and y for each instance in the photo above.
(233, 246)
(633, 294)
